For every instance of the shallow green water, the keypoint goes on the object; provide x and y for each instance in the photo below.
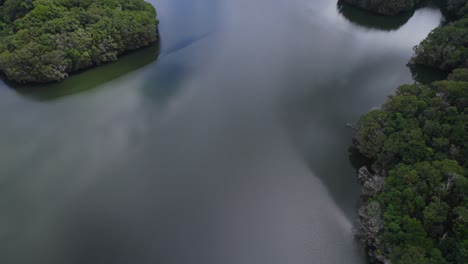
(90, 79)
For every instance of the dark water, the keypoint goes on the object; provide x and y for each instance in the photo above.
(231, 147)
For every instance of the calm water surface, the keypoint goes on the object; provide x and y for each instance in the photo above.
(230, 147)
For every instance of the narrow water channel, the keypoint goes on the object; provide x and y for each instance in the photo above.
(227, 143)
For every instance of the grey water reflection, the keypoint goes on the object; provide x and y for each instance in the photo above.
(231, 148)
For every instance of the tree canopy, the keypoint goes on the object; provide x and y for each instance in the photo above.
(418, 140)
(385, 7)
(455, 9)
(446, 47)
(45, 40)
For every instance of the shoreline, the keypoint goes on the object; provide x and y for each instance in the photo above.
(376, 232)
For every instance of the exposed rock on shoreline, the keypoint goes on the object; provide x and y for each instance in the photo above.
(370, 215)
(371, 184)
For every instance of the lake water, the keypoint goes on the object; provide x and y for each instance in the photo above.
(225, 144)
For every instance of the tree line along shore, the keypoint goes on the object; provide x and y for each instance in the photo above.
(45, 40)
(415, 192)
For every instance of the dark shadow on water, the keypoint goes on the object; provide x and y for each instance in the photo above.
(168, 76)
(370, 20)
(358, 160)
(91, 78)
(171, 70)
(184, 43)
(426, 75)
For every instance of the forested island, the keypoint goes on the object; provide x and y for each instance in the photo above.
(385, 7)
(454, 9)
(416, 191)
(44, 40)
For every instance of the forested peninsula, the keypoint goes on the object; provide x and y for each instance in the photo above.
(446, 48)
(385, 7)
(44, 40)
(415, 192)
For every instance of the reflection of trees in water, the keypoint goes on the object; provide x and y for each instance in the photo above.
(370, 20)
(358, 160)
(91, 78)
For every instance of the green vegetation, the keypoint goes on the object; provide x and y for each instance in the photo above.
(416, 201)
(418, 142)
(385, 7)
(372, 20)
(455, 9)
(446, 47)
(44, 40)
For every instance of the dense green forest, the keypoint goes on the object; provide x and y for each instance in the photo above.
(416, 198)
(419, 146)
(45, 40)
(385, 7)
(446, 47)
(454, 9)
